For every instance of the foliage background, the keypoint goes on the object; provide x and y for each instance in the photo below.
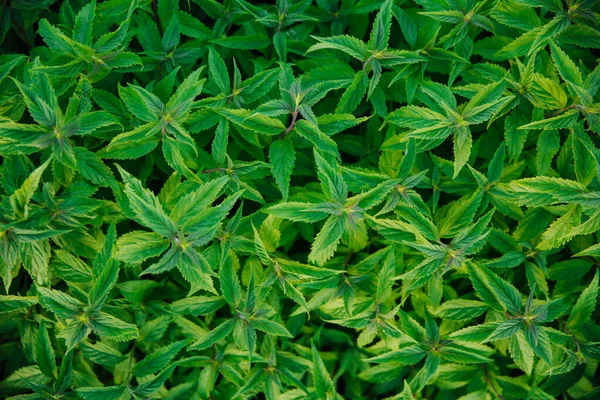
(328, 199)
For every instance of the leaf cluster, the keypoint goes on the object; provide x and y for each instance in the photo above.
(329, 199)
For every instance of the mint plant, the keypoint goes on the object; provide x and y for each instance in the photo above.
(387, 199)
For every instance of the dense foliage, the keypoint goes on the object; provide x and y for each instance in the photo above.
(329, 199)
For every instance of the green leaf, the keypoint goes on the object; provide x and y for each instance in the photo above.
(92, 168)
(261, 250)
(75, 332)
(197, 305)
(103, 284)
(44, 353)
(270, 327)
(435, 241)
(101, 393)
(585, 305)
(171, 35)
(547, 146)
(380, 33)
(565, 66)
(219, 333)
(332, 183)
(348, 44)
(282, 158)
(521, 352)
(218, 70)
(60, 303)
(540, 191)
(150, 387)
(280, 43)
(191, 204)
(25, 377)
(247, 42)
(560, 230)
(326, 241)
(301, 212)
(590, 251)
(219, 144)
(147, 207)
(494, 291)
(562, 121)
(255, 122)
(195, 269)
(506, 329)
(409, 354)
(312, 133)
(414, 117)
(353, 94)
(11, 303)
(458, 309)
(112, 328)
(19, 200)
(101, 353)
(385, 278)
(157, 360)
(516, 15)
(323, 383)
(511, 259)
(230, 285)
(462, 149)
(547, 93)
(137, 246)
(465, 354)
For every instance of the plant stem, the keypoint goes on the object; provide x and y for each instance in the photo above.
(291, 126)
(156, 18)
(19, 29)
(555, 113)
(211, 170)
(489, 382)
